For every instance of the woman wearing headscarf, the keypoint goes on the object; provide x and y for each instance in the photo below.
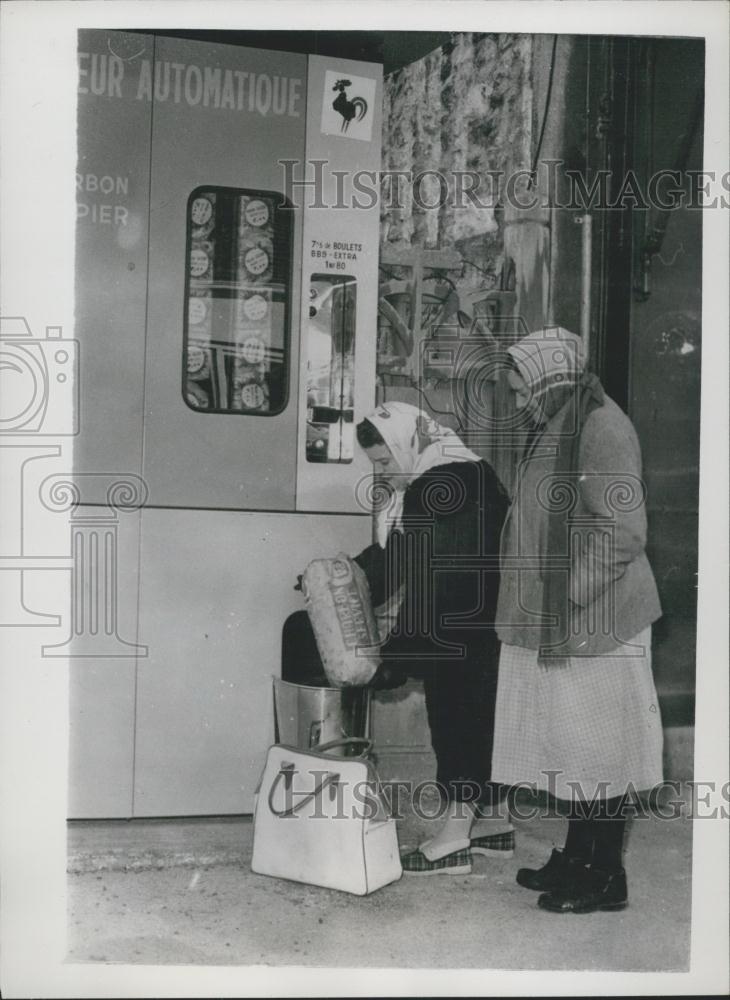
(438, 540)
(577, 710)
(438, 517)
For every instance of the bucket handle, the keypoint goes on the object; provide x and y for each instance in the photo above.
(348, 741)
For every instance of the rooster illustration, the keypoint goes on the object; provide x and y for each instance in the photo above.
(356, 108)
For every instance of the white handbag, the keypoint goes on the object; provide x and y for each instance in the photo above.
(322, 820)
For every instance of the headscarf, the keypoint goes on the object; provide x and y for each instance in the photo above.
(417, 443)
(552, 363)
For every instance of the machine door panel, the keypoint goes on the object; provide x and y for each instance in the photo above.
(102, 687)
(216, 588)
(222, 351)
(112, 192)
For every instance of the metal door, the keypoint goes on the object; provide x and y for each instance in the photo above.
(222, 118)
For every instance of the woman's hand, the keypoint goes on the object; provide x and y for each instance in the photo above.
(387, 677)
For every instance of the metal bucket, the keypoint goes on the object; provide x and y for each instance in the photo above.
(306, 716)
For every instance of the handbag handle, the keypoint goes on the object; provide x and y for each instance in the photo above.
(348, 741)
(324, 782)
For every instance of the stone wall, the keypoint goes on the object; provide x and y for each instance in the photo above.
(464, 107)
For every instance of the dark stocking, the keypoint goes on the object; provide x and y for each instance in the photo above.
(579, 842)
(608, 844)
(608, 834)
(598, 837)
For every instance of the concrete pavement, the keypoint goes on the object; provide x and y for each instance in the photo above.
(181, 891)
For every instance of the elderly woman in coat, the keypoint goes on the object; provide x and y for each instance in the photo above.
(577, 711)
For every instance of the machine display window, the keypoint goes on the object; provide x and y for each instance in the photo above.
(331, 368)
(237, 301)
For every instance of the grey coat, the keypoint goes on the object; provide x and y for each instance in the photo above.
(613, 595)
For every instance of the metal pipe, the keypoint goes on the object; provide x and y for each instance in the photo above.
(586, 222)
(553, 268)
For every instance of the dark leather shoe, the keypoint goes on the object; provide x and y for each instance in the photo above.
(560, 871)
(596, 890)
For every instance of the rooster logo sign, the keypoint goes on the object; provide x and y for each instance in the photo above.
(356, 108)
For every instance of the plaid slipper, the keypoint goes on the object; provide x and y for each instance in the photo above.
(457, 863)
(496, 845)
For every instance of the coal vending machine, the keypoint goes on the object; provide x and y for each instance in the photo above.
(226, 297)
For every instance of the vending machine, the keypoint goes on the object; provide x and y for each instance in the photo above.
(226, 314)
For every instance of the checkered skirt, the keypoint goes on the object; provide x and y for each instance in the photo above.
(590, 720)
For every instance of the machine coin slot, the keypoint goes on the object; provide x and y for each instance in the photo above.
(331, 368)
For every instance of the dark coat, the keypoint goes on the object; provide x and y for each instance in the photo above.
(446, 558)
